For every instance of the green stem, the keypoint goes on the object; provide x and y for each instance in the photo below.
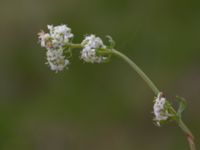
(188, 133)
(153, 87)
(75, 46)
(130, 62)
(138, 70)
(181, 124)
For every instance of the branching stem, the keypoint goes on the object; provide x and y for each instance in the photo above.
(152, 86)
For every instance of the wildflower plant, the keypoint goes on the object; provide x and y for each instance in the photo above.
(59, 47)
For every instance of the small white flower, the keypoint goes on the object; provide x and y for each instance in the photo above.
(90, 45)
(56, 60)
(57, 37)
(45, 39)
(55, 42)
(159, 109)
(60, 35)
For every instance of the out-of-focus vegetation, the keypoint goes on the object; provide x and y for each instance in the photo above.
(105, 106)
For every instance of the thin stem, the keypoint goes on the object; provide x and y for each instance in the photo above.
(138, 70)
(188, 133)
(181, 124)
(153, 87)
(76, 46)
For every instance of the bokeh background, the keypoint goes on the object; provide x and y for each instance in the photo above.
(103, 106)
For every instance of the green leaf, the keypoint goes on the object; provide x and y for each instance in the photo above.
(111, 41)
(182, 106)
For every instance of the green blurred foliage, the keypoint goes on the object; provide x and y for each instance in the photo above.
(105, 106)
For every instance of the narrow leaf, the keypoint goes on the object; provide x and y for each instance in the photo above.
(111, 41)
(182, 105)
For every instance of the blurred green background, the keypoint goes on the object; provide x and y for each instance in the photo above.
(105, 106)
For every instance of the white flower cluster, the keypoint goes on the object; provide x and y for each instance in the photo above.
(90, 45)
(55, 42)
(159, 109)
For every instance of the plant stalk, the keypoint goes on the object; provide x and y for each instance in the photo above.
(153, 87)
(190, 137)
(138, 70)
